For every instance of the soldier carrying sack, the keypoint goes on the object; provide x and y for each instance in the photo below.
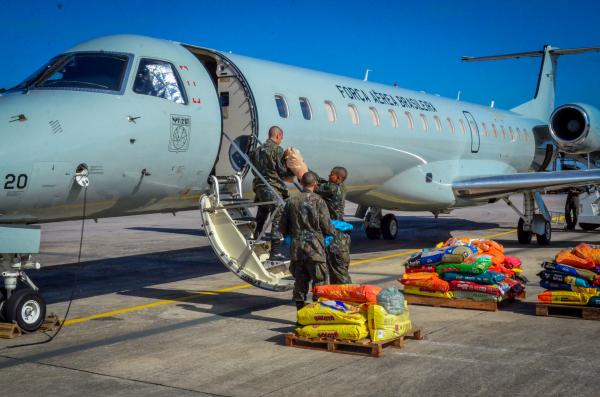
(269, 161)
(306, 219)
(333, 192)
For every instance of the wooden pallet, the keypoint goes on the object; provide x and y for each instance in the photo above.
(459, 303)
(363, 347)
(567, 311)
(12, 330)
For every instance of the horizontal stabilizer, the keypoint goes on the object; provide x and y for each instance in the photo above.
(504, 185)
(554, 52)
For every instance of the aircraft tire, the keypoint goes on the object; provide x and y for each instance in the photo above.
(27, 308)
(523, 236)
(373, 233)
(544, 239)
(389, 227)
(588, 226)
(571, 212)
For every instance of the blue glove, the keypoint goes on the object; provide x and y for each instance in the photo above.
(342, 226)
(328, 240)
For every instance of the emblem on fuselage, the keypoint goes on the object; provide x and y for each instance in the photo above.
(181, 129)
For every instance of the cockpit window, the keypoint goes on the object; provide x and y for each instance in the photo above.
(80, 71)
(159, 79)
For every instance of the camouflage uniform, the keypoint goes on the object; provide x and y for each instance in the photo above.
(268, 159)
(338, 253)
(306, 219)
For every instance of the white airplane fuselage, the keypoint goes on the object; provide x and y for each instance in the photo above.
(403, 149)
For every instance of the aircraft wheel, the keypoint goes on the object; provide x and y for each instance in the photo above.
(523, 236)
(588, 226)
(373, 233)
(544, 239)
(571, 212)
(389, 227)
(27, 308)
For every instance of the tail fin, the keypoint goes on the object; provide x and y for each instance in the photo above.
(542, 104)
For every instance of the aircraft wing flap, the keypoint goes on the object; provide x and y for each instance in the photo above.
(503, 185)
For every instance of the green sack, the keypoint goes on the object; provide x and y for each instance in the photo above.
(392, 300)
(479, 266)
(476, 296)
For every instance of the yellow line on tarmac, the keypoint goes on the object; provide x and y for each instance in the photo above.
(232, 288)
(155, 304)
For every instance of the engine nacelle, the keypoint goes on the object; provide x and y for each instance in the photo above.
(575, 128)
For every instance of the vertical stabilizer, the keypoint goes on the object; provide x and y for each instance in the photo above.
(542, 104)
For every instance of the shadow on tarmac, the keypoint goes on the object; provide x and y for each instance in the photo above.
(114, 275)
(190, 232)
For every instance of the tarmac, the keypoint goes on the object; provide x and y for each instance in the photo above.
(155, 314)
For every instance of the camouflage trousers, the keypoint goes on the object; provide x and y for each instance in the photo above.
(263, 211)
(305, 272)
(338, 259)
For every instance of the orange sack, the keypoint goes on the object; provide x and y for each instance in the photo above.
(430, 281)
(348, 292)
(566, 257)
(587, 251)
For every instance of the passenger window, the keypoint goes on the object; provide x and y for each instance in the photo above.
(462, 126)
(438, 123)
(409, 120)
(503, 132)
(374, 116)
(495, 130)
(512, 134)
(305, 107)
(282, 107)
(159, 79)
(519, 133)
(353, 112)
(450, 125)
(393, 118)
(485, 131)
(423, 122)
(330, 110)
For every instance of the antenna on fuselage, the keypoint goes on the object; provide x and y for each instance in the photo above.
(458, 96)
(367, 74)
(492, 104)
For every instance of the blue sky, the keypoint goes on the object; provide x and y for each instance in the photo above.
(416, 44)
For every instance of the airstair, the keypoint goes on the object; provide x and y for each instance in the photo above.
(229, 226)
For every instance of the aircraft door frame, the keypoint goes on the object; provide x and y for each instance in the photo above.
(475, 137)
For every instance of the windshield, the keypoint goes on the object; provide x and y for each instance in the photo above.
(80, 71)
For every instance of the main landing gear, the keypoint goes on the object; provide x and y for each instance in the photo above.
(533, 221)
(377, 225)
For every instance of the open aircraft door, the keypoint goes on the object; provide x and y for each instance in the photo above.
(475, 139)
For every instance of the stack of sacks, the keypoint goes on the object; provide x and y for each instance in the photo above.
(353, 312)
(464, 269)
(573, 278)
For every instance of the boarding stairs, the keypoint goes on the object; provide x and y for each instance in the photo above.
(229, 226)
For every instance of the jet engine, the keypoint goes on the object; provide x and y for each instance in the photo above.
(576, 128)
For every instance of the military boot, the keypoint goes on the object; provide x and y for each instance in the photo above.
(276, 255)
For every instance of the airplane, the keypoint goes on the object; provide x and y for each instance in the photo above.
(127, 125)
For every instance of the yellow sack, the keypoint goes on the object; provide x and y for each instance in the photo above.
(334, 331)
(564, 297)
(384, 326)
(330, 312)
(424, 292)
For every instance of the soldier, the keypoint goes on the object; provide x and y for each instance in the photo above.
(333, 192)
(269, 160)
(306, 219)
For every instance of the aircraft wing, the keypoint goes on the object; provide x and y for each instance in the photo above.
(503, 185)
